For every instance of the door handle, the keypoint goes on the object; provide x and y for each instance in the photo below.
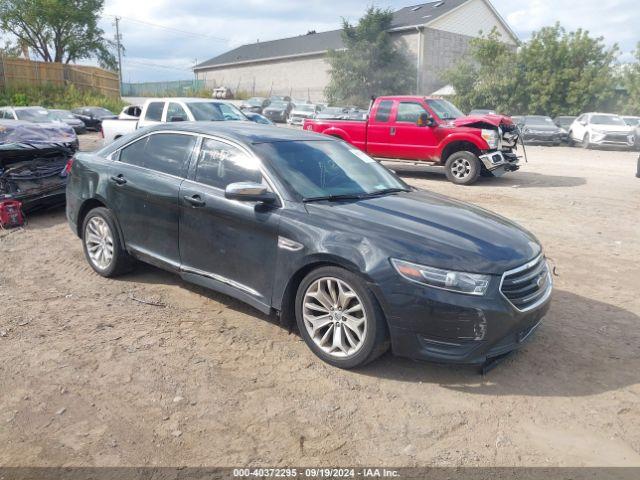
(194, 200)
(119, 180)
(392, 131)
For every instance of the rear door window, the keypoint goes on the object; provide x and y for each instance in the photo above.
(384, 111)
(163, 152)
(133, 154)
(169, 152)
(221, 164)
(154, 111)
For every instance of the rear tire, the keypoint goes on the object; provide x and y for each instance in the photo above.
(339, 318)
(102, 244)
(463, 168)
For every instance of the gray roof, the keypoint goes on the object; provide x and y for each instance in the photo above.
(321, 42)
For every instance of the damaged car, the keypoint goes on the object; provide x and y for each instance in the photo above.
(33, 160)
(432, 132)
(308, 228)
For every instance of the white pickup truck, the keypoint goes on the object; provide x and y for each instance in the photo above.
(161, 110)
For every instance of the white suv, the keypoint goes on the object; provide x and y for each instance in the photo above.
(601, 129)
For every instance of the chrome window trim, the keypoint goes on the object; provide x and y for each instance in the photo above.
(160, 132)
(196, 152)
(527, 265)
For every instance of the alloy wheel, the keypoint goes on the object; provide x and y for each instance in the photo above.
(461, 168)
(99, 242)
(334, 317)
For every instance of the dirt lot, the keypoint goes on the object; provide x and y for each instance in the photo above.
(90, 376)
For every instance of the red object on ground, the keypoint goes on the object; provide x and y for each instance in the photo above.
(11, 214)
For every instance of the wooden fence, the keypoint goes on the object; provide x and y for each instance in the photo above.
(17, 72)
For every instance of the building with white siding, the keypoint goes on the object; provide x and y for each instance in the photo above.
(433, 35)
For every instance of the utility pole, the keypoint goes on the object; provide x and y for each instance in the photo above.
(119, 45)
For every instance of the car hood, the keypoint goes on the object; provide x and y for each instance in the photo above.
(16, 131)
(479, 120)
(613, 128)
(435, 230)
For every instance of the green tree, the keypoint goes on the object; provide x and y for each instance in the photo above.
(59, 30)
(371, 64)
(487, 77)
(630, 81)
(553, 73)
(566, 73)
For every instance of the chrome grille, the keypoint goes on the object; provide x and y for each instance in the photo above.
(527, 286)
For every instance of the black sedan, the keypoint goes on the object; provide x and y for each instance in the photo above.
(65, 116)
(255, 105)
(308, 228)
(257, 118)
(539, 129)
(93, 116)
(278, 111)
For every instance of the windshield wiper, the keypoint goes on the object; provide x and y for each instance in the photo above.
(334, 198)
(386, 191)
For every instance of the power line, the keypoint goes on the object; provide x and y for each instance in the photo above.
(176, 30)
(157, 65)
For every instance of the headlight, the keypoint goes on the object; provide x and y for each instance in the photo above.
(461, 282)
(491, 137)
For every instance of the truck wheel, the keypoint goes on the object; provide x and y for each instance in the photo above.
(463, 168)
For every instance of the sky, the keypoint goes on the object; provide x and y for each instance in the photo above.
(165, 38)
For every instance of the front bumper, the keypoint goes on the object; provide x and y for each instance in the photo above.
(445, 327)
(276, 116)
(499, 163)
(544, 139)
(613, 140)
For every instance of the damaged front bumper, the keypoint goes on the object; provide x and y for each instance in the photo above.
(446, 327)
(498, 163)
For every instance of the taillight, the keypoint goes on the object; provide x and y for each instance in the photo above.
(67, 168)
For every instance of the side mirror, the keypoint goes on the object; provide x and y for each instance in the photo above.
(249, 192)
(178, 118)
(425, 120)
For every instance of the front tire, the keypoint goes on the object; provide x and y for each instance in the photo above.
(463, 168)
(339, 318)
(102, 246)
(586, 143)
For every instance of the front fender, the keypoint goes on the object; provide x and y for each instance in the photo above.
(476, 140)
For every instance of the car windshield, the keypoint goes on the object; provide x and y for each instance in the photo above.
(36, 115)
(566, 120)
(215, 112)
(255, 102)
(101, 111)
(62, 115)
(278, 105)
(444, 109)
(325, 169)
(538, 120)
(305, 108)
(607, 120)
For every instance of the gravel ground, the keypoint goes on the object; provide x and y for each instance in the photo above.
(89, 375)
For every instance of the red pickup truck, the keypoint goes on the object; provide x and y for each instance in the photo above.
(433, 131)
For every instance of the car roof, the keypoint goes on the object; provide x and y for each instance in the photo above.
(187, 100)
(242, 131)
